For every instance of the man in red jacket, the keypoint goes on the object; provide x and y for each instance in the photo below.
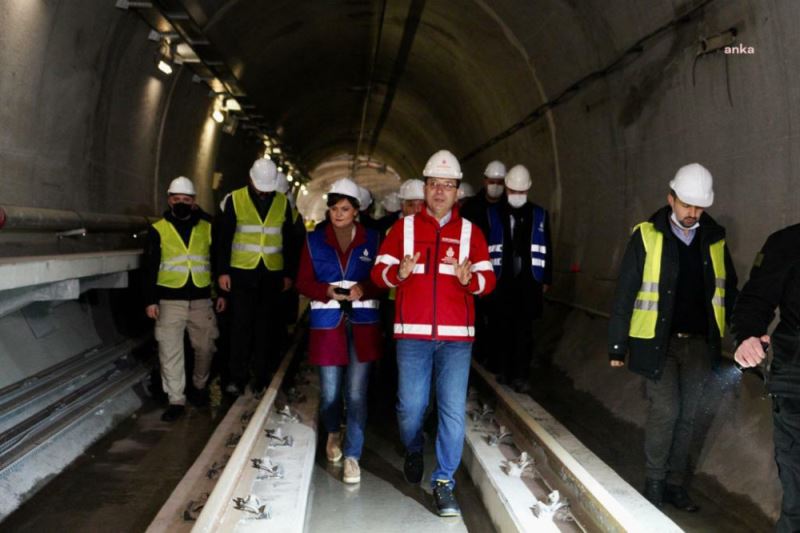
(438, 261)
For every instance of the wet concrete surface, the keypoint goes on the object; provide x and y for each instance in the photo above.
(121, 481)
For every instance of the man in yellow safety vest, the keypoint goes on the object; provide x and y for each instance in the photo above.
(257, 259)
(675, 292)
(178, 295)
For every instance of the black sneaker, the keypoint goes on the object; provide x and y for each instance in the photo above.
(678, 497)
(173, 412)
(446, 504)
(413, 467)
(654, 491)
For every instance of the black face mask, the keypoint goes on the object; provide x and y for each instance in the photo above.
(181, 211)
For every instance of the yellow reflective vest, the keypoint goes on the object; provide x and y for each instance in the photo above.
(645, 308)
(179, 260)
(255, 239)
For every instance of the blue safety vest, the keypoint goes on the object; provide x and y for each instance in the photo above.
(327, 315)
(538, 243)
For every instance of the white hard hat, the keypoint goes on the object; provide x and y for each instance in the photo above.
(264, 174)
(282, 184)
(693, 185)
(518, 178)
(412, 190)
(495, 169)
(465, 190)
(181, 185)
(345, 187)
(364, 198)
(442, 164)
(391, 202)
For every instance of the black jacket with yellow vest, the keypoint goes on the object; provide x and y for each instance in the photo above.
(647, 355)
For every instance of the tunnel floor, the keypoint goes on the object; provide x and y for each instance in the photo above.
(121, 482)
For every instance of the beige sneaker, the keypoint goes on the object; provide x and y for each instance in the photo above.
(333, 449)
(352, 472)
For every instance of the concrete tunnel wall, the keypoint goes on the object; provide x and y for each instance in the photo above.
(90, 124)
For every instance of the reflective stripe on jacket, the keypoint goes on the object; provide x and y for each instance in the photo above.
(178, 260)
(255, 239)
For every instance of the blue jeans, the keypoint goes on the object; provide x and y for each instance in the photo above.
(448, 363)
(355, 397)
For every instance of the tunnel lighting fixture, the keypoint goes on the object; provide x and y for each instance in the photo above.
(276, 150)
(289, 178)
(280, 169)
(164, 67)
(231, 104)
(218, 116)
(266, 156)
(164, 56)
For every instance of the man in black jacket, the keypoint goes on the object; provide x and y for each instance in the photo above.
(522, 259)
(257, 260)
(676, 286)
(775, 283)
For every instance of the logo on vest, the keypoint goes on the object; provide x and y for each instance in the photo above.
(365, 256)
(450, 258)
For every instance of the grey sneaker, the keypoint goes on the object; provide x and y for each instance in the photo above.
(352, 472)
(446, 504)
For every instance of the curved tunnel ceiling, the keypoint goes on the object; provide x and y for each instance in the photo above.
(445, 74)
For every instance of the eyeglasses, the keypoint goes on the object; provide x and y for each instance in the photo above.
(446, 185)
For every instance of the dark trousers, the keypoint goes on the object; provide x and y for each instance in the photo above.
(673, 401)
(786, 421)
(257, 330)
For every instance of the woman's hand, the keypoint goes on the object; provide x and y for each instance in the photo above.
(356, 293)
(335, 296)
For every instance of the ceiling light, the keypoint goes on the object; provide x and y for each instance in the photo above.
(289, 178)
(276, 150)
(231, 104)
(305, 192)
(218, 116)
(164, 67)
(280, 169)
(266, 156)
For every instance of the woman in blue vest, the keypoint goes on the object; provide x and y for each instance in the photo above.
(345, 322)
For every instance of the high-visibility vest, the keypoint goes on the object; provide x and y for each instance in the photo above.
(255, 239)
(178, 260)
(538, 242)
(645, 308)
(327, 269)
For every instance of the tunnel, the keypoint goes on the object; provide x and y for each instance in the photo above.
(105, 103)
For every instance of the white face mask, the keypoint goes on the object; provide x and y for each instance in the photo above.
(517, 200)
(494, 191)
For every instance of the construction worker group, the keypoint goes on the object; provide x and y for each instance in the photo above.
(409, 292)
